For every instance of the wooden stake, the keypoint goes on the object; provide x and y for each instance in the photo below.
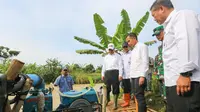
(104, 98)
(14, 69)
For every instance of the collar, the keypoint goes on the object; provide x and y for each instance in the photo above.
(169, 17)
(127, 52)
(64, 75)
(112, 54)
(137, 44)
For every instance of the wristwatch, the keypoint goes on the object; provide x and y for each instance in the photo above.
(186, 74)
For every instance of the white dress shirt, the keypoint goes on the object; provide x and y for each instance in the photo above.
(112, 62)
(139, 61)
(181, 46)
(126, 63)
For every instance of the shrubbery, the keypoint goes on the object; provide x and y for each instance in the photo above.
(51, 70)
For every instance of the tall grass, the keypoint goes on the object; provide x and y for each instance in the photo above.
(81, 77)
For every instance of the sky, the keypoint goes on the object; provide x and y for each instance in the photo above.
(43, 29)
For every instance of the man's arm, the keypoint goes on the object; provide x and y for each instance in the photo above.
(57, 81)
(72, 83)
(187, 38)
(103, 68)
(121, 67)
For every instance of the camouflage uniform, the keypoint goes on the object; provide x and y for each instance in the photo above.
(160, 73)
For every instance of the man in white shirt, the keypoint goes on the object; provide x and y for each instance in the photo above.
(126, 62)
(138, 70)
(181, 56)
(111, 73)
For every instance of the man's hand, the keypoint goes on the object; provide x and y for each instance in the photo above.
(141, 81)
(102, 78)
(183, 85)
(120, 78)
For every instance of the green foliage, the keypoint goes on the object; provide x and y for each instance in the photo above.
(98, 69)
(75, 67)
(32, 69)
(101, 31)
(149, 43)
(4, 66)
(91, 82)
(89, 68)
(51, 70)
(81, 77)
(85, 41)
(155, 84)
(89, 51)
(153, 98)
(140, 24)
(126, 21)
(117, 39)
(5, 52)
(155, 102)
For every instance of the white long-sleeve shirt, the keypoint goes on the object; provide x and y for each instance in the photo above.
(139, 61)
(112, 62)
(126, 63)
(181, 46)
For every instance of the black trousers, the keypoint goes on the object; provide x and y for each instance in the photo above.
(189, 102)
(127, 85)
(138, 91)
(112, 79)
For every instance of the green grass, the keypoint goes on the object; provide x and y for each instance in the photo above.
(82, 77)
(155, 102)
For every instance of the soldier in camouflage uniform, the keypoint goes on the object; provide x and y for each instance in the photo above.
(158, 32)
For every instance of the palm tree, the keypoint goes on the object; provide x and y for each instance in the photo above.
(119, 37)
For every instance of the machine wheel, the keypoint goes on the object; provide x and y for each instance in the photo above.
(82, 104)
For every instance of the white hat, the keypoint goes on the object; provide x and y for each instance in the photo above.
(111, 46)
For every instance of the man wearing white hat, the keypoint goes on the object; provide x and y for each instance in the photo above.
(111, 73)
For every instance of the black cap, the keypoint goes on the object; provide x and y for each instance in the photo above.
(125, 44)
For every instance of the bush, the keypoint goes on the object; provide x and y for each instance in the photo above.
(89, 68)
(52, 69)
(81, 77)
(155, 102)
(153, 99)
(155, 85)
(4, 66)
(98, 69)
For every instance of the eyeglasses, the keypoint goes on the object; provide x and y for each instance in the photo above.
(65, 70)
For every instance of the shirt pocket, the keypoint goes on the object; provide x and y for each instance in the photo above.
(69, 81)
(62, 82)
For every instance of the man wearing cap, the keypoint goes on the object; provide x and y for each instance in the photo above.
(64, 81)
(159, 33)
(181, 56)
(111, 72)
(138, 70)
(126, 62)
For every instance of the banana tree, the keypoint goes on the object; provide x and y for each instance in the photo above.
(117, 39)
